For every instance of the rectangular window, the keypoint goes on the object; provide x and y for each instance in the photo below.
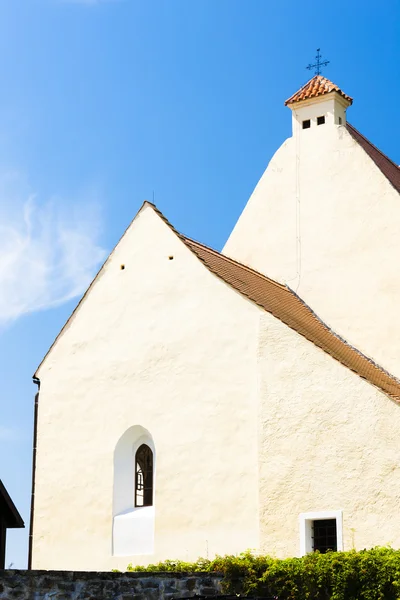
(307, 124)
(322, 531)
(320, 120)
(324, 535)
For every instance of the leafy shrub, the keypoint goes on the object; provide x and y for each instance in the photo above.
(366, 575)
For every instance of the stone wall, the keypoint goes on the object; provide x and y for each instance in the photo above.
(76, 585)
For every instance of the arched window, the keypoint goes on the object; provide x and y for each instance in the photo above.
(135, 466)
(143, 476)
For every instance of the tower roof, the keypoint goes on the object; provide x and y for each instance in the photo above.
(317, 86)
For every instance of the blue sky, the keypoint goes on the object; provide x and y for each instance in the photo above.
(106, 103)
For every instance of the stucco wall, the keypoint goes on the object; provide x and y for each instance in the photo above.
(324, 220)
(328, 442)
(166, 345)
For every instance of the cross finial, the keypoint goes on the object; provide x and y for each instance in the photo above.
(319, 63)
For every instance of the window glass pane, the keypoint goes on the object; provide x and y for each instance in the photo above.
(324, 535)
(144, 476)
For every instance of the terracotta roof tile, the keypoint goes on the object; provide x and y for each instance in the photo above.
(383, 162)
(282, 303)
(317, 86)
(286, 306)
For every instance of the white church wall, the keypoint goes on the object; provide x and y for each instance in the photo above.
(328, 447)
(332, 107)
(133, 532)
(165, 345)
(324, 220)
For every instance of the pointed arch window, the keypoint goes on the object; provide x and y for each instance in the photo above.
(143, 476)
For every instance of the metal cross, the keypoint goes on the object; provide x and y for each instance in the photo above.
(320, 63)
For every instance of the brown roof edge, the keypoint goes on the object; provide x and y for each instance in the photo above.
(288, 307)
(284, 304)
(12, 516)
(342, 340)
(191, 242)
(390, 170)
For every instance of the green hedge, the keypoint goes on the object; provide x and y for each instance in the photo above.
(366, 575)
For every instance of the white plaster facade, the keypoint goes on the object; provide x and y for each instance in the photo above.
(324, 220)
(253, 427)
(154, 345)
(328, 442)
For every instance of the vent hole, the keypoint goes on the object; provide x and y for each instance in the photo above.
(340, 120)
(307, 124)
(170, 258)
(122, 267)
(320, 120)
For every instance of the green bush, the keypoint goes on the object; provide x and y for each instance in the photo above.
(366, 575)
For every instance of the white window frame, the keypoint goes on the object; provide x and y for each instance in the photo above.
(306, 520)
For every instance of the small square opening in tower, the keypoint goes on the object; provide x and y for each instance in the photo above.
(306, 124)
(321, 120)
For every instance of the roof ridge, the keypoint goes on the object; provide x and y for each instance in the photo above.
(342, 339)
(386, 165)
(289, 290)
(237, 263)
(295, 313)
(278, 300)
(351, 127)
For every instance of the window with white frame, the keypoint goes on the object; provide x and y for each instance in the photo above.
(133, 494)
(322, 531)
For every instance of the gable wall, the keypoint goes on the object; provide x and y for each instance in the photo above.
(166, 345)
(324, 220)
(328, 442)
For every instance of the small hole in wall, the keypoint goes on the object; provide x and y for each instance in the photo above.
(122, 267)
(320, 120)
(340, 120)
(170, 258)
(306, 124)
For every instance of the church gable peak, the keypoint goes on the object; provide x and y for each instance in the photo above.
(119, 258)
(269, 295)
(315, 87)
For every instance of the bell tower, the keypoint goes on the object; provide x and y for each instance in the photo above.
(318, 103)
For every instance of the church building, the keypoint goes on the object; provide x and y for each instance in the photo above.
(200, 403)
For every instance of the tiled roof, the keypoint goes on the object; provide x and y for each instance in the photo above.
(383, 162)
(285, 305)
(282, 303)
(317, 86)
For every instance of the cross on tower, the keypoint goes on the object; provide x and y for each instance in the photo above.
(319, 63)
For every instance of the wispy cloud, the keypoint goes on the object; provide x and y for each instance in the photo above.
(49, 251)
(10, 434)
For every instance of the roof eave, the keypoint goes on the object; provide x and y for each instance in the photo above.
(340, 97)
(13, 519)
